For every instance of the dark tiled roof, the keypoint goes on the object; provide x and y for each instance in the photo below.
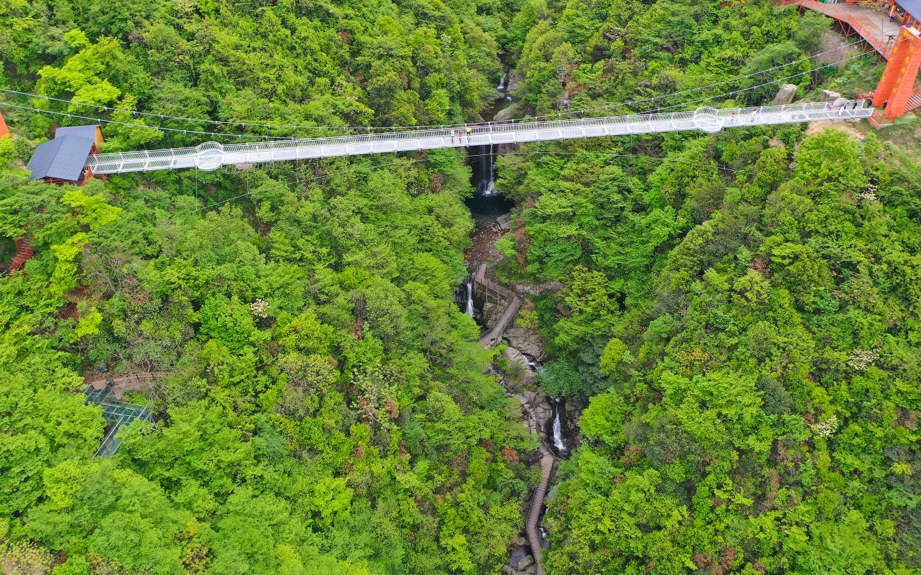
(62, 158)
(913, 7)
(81, 131)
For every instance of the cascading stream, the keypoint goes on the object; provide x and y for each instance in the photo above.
(557, 429)
(469, 310)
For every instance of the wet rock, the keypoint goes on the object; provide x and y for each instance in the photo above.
(514, 82)
(528, 396)
(829, 96)
(542, 412)
(514, 356)
(537, 289)
(785, 95)
(525, 563)
(518, 553)
(516, 110)
(525, 340)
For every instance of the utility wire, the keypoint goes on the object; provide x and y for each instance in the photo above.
(612, 106)
(862, 54)
(430, 159)
(737, 78)
(404, 128)
(215, 134)
(160, 128)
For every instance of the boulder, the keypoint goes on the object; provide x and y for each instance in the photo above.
(532, 570)
(521, 541)
(514, 356)
(525, 563)
(785, 95)
(528, 396)
(514, 82)
(829, 96)
(505, 222)
(506, 570)
(542, 413)
(515, 110)
(492, 312)
(525, 340)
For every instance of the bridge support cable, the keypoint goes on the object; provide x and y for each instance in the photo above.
(212, 155)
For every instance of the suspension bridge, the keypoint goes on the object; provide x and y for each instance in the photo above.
(212, 155)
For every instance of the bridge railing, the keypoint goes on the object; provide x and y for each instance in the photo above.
(878, 41)
(211, 155)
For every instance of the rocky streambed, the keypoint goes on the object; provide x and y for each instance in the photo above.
(552, 421)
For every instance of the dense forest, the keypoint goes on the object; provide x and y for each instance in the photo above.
(738, 312)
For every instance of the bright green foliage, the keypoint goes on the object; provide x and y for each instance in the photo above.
(227, 321)
(746, 337)
(327, 410)
(592, 53)
(749, 413)
(44, 424)
(738, 308)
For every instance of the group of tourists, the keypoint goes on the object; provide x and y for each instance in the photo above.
(460, 136)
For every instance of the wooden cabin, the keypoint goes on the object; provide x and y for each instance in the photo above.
(63, 159)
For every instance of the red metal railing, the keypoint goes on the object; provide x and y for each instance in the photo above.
(24, 252)
(73, 298)
(914, 102)
(878, 120)
(878, 41)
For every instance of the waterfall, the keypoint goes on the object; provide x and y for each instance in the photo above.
(487, 184)
(501, 86)
(557, 431)
(469, 310)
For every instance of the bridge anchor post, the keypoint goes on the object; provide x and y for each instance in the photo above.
(896, 86)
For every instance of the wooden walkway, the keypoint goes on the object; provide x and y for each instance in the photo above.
(131, 378)
(537, 503)
(546, 456)
(495, 335)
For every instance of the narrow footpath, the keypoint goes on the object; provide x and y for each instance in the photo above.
(546, 467)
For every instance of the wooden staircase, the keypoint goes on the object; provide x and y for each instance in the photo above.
(493, 337)
(24, 252)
